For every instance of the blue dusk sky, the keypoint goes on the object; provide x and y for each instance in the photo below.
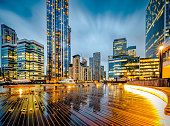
(94, 23)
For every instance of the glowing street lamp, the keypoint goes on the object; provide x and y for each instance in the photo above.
(161, 61)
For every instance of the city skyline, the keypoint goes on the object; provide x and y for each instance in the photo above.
(32, 16)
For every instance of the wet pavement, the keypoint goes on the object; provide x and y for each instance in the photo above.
(89, 105)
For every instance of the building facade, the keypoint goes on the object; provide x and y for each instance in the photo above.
(157, 26)
(96, 66)
(58, 40)
(131, 50)
(120, 47)
(101, 72)
(30, 60)
(76, 67)
(8, 53)
(149, 68)
(166, 59)
(128, 67)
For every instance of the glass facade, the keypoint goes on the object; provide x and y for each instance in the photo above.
(58, 40)
(157, 26)
(120, 47)
(166, 59)
(131, 50)
(149, 68)
(30, 60)
(128, 67)
(8, 53)
(96, 66)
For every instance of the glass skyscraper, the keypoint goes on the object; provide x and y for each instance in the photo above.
(96, 66)
(157, 26)
(120, 47)
(8, 53)
(58, 40)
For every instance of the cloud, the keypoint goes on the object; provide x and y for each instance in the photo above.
(95, 33)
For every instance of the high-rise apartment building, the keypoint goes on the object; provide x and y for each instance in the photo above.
(131, 50)
(120, 47)
(8, 53)
(96, 66)
(30, 60)
(58, 40)
(157, 26)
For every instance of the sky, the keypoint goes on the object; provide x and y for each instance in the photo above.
(94, 24)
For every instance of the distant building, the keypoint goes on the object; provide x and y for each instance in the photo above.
(104, 75)
(30, 60)
(89, 74)
(71, 71)
(157, 26)
(131, 50)
(120, 47)
(96, 66)
(76, 67)
(8, 53)
(58, 40)
(91, 65)
(101, 72)
(84, 62)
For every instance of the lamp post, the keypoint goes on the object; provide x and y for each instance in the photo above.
(161, 61)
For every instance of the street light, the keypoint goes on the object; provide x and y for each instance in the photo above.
(161, 61)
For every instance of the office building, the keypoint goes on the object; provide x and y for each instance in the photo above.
(131, 50)
(30, 60)
(157, 26)
(149, 68)
(117, 67)
(166, 58)
(8, 53)
(96, 66)
(71, 71)
(58, 40)
(84, 62)
(101, 72)
(76, 67)
(120, 47)
(128, 67)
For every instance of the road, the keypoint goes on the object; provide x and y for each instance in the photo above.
(89, 105)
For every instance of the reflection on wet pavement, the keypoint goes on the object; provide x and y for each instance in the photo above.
(101, 105)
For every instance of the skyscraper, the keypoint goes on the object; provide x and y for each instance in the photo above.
(8, 53)
(58, 40)
(157, 26)
(91, 65)
(119, 47)
(96, 66)
(131, 50)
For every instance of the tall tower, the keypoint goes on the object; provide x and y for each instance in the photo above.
(119, 47)
(58, 40)
(96, 66)
(157, 26)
